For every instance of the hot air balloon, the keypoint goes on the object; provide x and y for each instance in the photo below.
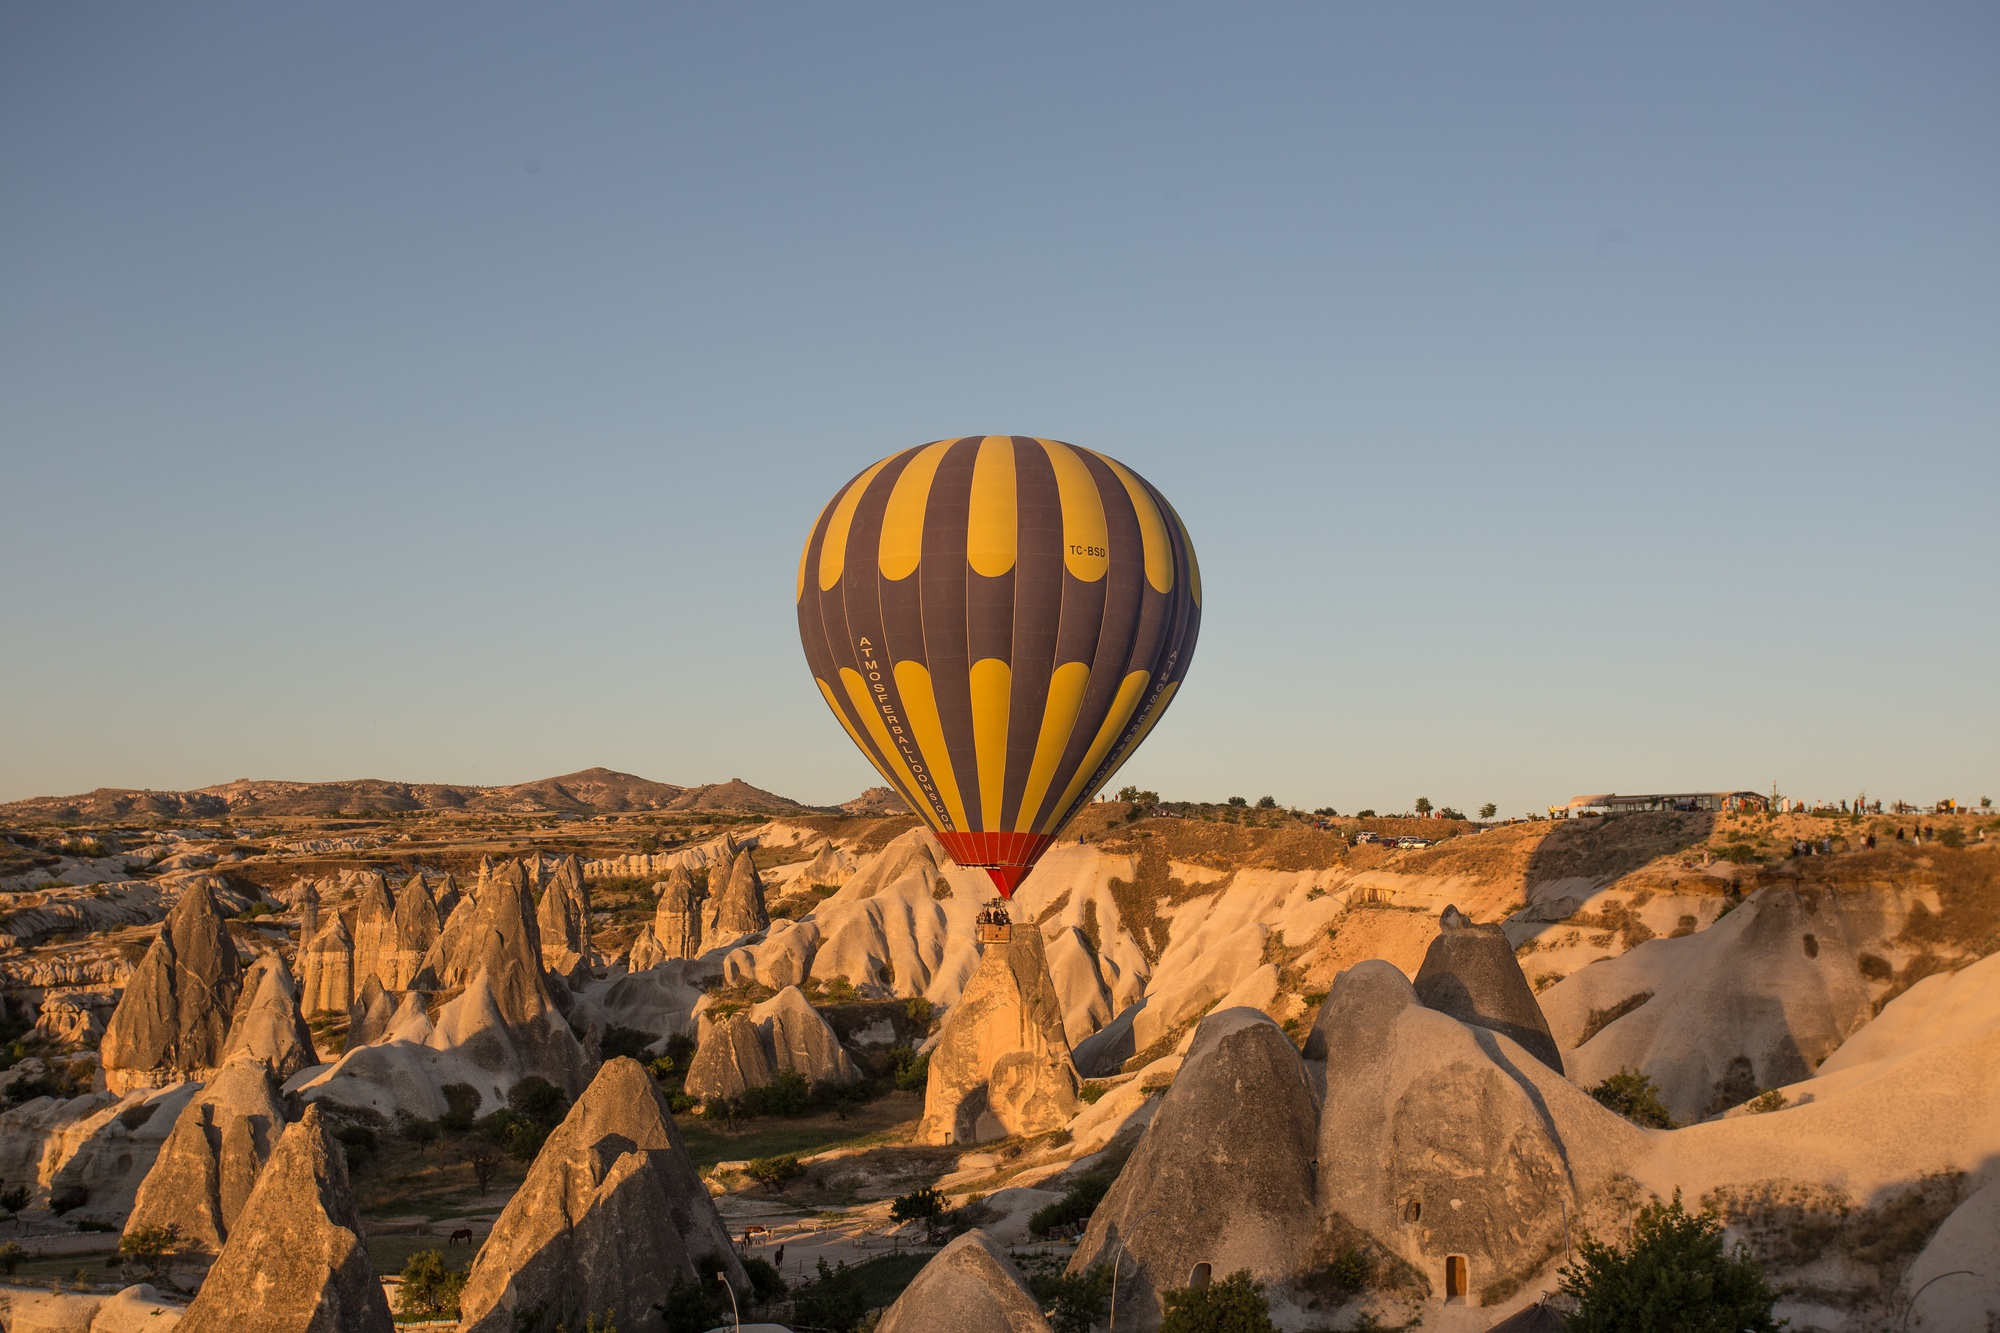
(998, 621)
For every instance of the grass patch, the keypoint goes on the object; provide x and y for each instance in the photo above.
(889, 1120)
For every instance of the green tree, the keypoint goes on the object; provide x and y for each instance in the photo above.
(1267, 803)
(1675, 1277)
(922, 1205)
(1423, 805)
(1235, 1304)
(1488, 810)
(1238, 801)
(11, 1255)
(773, 1173)
(152, 1248)
(1078, 1302)
(1636, 1097)
(430, 1286)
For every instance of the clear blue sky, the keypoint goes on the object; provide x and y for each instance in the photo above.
(1560, 398)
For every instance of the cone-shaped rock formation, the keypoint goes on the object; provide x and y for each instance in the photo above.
(267, 1024)
(416, 930)
(737, 908)
(747, 1050)
(210, 1162)
(970, 1286)
(172, 1023)
(326, 969)
(611, 1215)
(296, 1261)
(1002, 1064)
(564, 921)
(1225, 1168)
(1470, 973)
(374, 933)
(368, 1021)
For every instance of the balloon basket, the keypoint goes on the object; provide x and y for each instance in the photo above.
(995, 926)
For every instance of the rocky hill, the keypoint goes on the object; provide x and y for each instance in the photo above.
(593, 791)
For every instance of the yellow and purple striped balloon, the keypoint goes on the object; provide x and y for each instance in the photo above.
(998, 621)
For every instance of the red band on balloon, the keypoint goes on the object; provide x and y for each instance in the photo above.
(1006, 857)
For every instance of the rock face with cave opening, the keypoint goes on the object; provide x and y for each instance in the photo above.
(611, 1216)
(1224, 1173)
(1002, 1064)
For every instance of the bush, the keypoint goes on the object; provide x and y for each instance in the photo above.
(430, 1288)
(840, 1297)
(1078, 1202)
(1766, 1101)
(628, 1042)
(765, 1284)
(773, 1173)
(461, 1102)
(917, 1206)
(152, 1247)
(1074, 1303)
(1090, 1093)
(1675, 1277)
(11, 1255)
(360, 1142)
(920, 1011)
(14, 1200)
(695, 1307)
(912, 1071)
(1234, 1304)
(787, 1094)
(1636, 1097)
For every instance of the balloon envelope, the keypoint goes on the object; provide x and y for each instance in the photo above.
(998, 621)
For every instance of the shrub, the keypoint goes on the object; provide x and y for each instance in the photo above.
(912, 1071)
(917, 1206)
(14, 1200)
(152, 1247)
(1074, 1303)
(1235, 1304)
(765, 1283)
(841, 1296)
(920, 1011)
(695, 1307)
(430, 1287)
(1769, 1100)
(360, 1143)
(629, 1042)
(1091, 1093)
(787, 1094)
(1675, 1277)
(11, 1255)
(461, 1102)
(773, 1173)
(1636, 1097)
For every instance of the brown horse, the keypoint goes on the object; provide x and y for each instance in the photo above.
(462, 1234)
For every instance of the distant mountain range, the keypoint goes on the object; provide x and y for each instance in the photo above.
(593, 791)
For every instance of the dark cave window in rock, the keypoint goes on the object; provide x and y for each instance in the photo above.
(1456, 1277)
(1413, 1211)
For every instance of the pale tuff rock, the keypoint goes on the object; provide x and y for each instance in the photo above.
(970, 1286)
(782, 958)
(1470, 973)
(374, 933)
(901, 927)
(1755, 1001)
(676, 928)
(137, 1309)
(171, 1023)
(1002, 1064)
(268, 1024)
(1086, 1005)
(800, 1039)
(326, 967)
(611, 1215)
(564, 920)
(416, 930)
(1438, 1138)
(731, 1059)
(447, 898)
(295, 1262)
(210, 1162)
(368, 1021)
(102, 1143)
(829, 868)
(747, 1050)
(306, 898)
(1224, 1172)
(501, 1026)
(75, 1018)
(737, 908)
